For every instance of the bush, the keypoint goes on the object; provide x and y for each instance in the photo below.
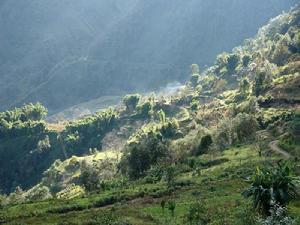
(170, 128)
(271, 184)
(262, 82)
(131, 101)
(170, 174)
(105, 218)
(194, 80)
(38, 193)
(88, 132)
(197, 214)
(245, 126)
(205, 143)
(144, 109)
(246, 216)
(89, 178)
(144, 150)
(224, 135)
(154, 175)
(246, 60)
(194, 105)
(232, 62)
(277, 216)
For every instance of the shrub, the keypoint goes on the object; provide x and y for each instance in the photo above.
(271, 184)
(246, 60)
(245, 215)
(170, 176)
(262, 82)
(277, 216)
(249, 106)
(232, 62)
(131, 101)
(245, 126)
(194, 105)
(205, 143)
(219, 85)
(224, 135)
(171, 206)
(170, 128)
(88, 132)
(89, 178)
(197, 214)
(38, 193)
(144, 150)
(244, 86)
(195, 69)
(194, 80)
(154, 175)
(144, 109)
(105, 218)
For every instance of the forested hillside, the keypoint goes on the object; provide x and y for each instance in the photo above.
(63, 52)
(223, 149)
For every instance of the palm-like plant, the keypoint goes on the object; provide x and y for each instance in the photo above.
(271, 184)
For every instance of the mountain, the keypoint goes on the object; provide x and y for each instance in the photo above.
(62, 53)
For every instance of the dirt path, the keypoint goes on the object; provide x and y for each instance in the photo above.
(273, 145)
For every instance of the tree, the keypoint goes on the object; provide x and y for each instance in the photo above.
(246, 60)
(163, 205)
(89, 176)
(172, 206)
(194, 105)
(244, 86)
(34, 112)
(245, 126)
(38, 192)
(195, 75)
(219, 85)
(261, 82)
(195, 69)
(131, 101)
(197, 214)
(170, 128)
(194, 80)
(232, 62)
(271, 184)
(205, 143)
(144, 150)
(170, 176)
(144, 110)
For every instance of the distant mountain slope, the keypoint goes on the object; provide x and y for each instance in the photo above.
(64, 52)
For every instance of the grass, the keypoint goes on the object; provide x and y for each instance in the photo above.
(218, 189)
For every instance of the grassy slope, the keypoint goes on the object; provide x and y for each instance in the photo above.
(218, 187)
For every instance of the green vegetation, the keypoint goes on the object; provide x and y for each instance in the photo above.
(88, 132)
(131, 101)
(269, 185)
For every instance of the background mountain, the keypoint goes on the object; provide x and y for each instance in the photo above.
(64, 52)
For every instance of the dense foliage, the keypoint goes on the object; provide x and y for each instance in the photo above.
(273, 185)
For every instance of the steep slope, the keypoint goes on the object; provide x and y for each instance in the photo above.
(62, 53)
